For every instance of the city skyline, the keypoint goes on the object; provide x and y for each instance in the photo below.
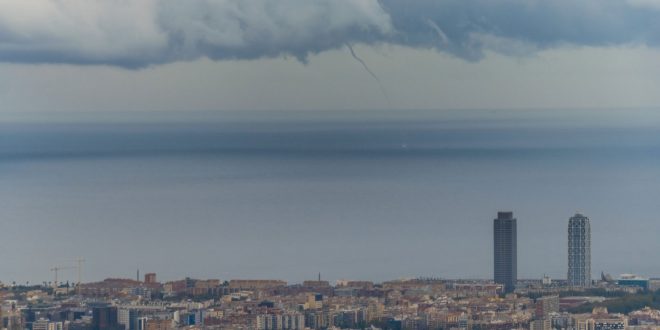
(579, 268)
(124, 304)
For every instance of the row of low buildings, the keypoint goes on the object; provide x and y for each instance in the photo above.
(421, 303)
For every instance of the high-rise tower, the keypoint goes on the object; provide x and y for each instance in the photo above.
(579, 251)
(505, 250)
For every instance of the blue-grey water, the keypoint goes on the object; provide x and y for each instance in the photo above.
(364, 195)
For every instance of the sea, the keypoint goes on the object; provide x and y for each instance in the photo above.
(368, 195)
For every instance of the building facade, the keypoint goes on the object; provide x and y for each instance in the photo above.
(579, 251)
(150, 278)
(505, 251)
(545, 306)
(295, 321)
(47, 325)
(105, 318)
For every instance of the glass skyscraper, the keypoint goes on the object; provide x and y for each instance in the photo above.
(505, 251)
(579, 251)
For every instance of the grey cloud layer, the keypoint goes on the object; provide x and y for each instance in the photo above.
(466, 28)
(141, 33)
(138, 33)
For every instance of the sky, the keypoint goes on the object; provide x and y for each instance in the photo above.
(156, 55)
(388, 127)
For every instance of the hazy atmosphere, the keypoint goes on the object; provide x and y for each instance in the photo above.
(362, 139)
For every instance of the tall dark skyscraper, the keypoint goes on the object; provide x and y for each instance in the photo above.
(505, 250)
(579, 251)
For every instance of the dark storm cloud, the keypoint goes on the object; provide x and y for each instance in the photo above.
(140, 33)
(466, 28)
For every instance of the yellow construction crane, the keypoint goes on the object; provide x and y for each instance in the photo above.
(80, 261)
(56, 270)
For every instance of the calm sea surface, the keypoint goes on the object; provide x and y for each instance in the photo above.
(365, 195)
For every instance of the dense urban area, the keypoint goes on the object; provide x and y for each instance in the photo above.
(505, 302)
